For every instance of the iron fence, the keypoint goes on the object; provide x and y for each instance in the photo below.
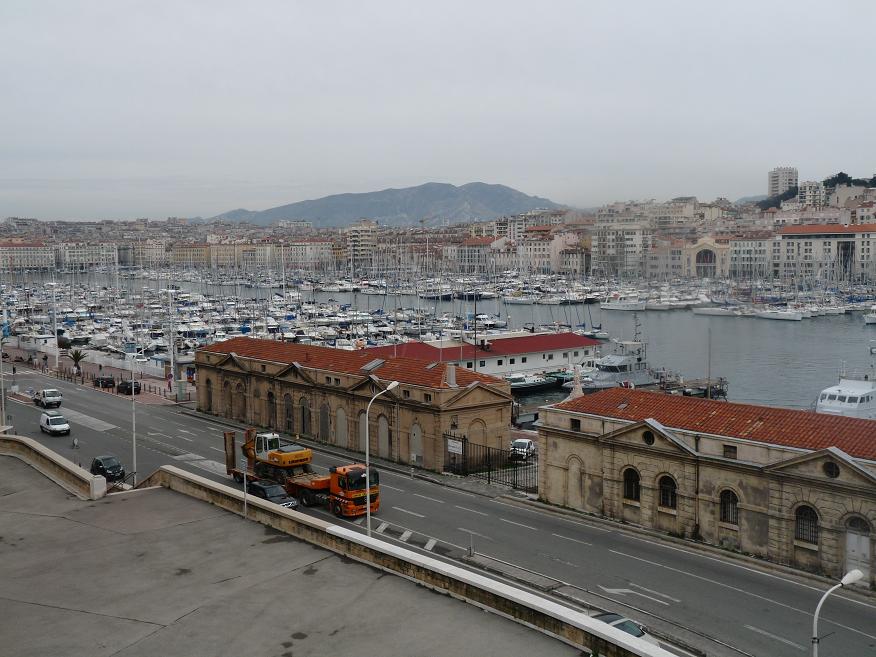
(492, 464)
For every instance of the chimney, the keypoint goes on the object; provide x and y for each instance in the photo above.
(450, 375)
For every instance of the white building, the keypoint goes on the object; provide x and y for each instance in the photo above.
(361, 240)
(83, 255)
(20, 256)
(811, 194)
(780, 180)
(826, 251)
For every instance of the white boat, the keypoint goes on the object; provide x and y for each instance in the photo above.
(870, 317)
(716, 311)
(781, 314)
(522, 300)
(853, 396)
(623, 302)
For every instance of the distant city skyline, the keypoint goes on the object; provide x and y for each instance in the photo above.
(127, 110)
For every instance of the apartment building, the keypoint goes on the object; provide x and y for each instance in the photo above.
(306, 254)
(473, 255)
(190, 255)
(780, 180)
(751, 255)
(83, 255)
(619, 249)
(811, 194)
(824, 251)
(21, 256)
(361, 238)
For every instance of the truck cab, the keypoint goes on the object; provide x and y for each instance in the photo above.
(48, 398)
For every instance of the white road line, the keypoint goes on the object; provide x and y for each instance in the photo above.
(519, 524)
(459, 492)
(465, 508)
(217, 449)
(405, 536)
(184, 438)
(631, 592)
(773, 636)
(382, 485)
(743, 591)
(430, 544)
(471, 531)
(541, 514)
(186, 431)
(431, 499)
(574, 540)
(662, 595)
(382, 527)
(413, 513)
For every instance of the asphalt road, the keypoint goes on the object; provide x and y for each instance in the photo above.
(720, 607)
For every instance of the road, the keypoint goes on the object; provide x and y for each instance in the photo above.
(720, 607)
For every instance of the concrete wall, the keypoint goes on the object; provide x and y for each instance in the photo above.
(66, 474)
(572, 626)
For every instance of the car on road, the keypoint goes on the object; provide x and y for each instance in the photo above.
(52, 422)
(522, 449)
(109, 467)
(104, 382)
(272, 492)
(625, 624)
(48, 398)
(124, 387)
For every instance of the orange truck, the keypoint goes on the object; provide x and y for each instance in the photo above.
(342, 490)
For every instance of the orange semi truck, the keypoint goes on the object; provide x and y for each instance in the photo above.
(342, 490)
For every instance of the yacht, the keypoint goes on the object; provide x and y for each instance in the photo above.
(624, 302)
(626, 367)
(853, 396)
(524, 383)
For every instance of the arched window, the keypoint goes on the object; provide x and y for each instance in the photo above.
(858, 525)
(341, 427)
(304, 425)
(271, 410)
(227, 399)
(208, 396)
(289, 412)
(729, 507)
(806, 524)
(668, 492)
(363, 429)
(240, 401)
(631, 485)
(324, 428)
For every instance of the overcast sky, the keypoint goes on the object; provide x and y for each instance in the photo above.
(129, 109)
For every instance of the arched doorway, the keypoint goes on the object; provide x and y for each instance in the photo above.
(304, 424)
(208, 396)
(363, 430)
(227, 400)
(288, 414)
(324, 424)
(271, 410)
(341, 427)
(574, 488)
(240, 403)
(384, 443)
(858, 547)
(416, 446)
(477, 432)
(706, 263)
(257, 408)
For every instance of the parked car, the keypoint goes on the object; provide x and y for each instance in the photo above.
(109, 467)
(522, 448)
(52, 422)
(627, 625)
(124, 387)
(272, 492)
(104, 382)
(48, 398)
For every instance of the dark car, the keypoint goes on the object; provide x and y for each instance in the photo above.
(272, 492)
(124, 387)
(109, 467)
(104, 382)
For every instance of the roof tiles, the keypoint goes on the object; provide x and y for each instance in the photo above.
(526, 344)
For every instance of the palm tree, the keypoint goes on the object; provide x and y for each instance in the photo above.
(77, 356)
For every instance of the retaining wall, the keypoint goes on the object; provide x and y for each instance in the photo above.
(65, 473)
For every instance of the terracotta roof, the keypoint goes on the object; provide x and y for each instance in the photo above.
(479, 241)
(765, 424)
(827, 228)
(526, 344)
(405, 370)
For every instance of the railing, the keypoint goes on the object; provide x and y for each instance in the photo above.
(492, 464)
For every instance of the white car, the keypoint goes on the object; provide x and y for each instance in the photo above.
(522, 448)
(627, 625)
(52, 422)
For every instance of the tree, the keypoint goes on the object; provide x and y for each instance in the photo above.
(776, 201)
(77, 356)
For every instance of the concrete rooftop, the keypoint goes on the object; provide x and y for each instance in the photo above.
(157, 573)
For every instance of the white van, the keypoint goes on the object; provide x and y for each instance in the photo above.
(52, 422)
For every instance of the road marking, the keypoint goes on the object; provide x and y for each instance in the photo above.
(185, 431)
(631, 592)
(557, 559)
(426, 497)
(743, 591)
(382, 485)
(86, 420)
(574, 540)
(519, 524)
(474, 533)
(430, 544)
(413, 513)
(459, 492)
(465, 508)
(662, 595)
(217, 449)
(359, 521)
(382, 527)
(571, 521)
(405, 536)
(773, 636)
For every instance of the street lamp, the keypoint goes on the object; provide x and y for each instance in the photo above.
(134, 414)
(392, 385)
(849, 578)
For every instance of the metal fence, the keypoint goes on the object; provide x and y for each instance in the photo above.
(491, 464)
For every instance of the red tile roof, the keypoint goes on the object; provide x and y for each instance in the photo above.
(765, 424)
(827, 228)
(526, 344)
(405, 370)
(479, 241)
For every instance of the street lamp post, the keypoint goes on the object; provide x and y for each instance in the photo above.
(392, 385)
(134, 415)
(849, 578)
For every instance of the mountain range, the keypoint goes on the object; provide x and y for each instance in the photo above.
(431, 202)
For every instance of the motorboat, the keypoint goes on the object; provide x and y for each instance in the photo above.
(523, 383)
(853, 396)
(780, 314)
(624, 302)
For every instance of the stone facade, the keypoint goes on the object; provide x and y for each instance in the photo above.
(747, 497)
(407, 424)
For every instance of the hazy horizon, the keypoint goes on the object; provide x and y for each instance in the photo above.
(129, 109)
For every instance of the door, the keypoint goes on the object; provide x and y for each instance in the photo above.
(858, 548)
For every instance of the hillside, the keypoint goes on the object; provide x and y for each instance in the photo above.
(431, 202)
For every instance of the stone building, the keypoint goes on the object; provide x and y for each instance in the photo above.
(322, 393)
(793, 487)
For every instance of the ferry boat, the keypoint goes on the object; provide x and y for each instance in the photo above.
(853, 396)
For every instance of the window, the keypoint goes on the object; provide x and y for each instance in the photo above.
(263, 368)
(566, 354)
(575, 424)
(729, 451)
(511, 361)
(469, 364)
(337, 382)
(576, 353)
(729, 507)
(427, 397)
(523, 359)
(499, 362)
(482, 363)
(550, 356)
(668, 490)
(806, 525)
(406, 394)
(631, 485)
(831, 469)
(328, 380)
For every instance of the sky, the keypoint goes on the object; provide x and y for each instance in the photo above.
(125, 109)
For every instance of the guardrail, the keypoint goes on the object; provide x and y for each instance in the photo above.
(571, 626)
(65, 473)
